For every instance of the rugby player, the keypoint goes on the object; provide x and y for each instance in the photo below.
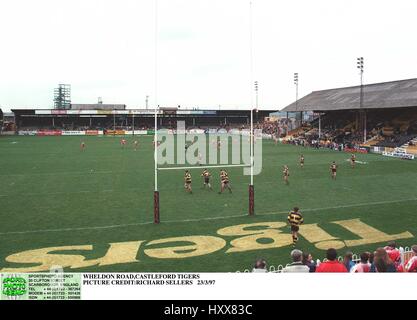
(333, 170)
(302, 161)
(352, 161)
(206, 176)
(225, 182)
(187, 181)
(286, 174)
(295, 219)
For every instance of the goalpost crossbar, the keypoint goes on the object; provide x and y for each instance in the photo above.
(206, 167)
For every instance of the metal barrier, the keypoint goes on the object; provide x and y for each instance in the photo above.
(406, 254)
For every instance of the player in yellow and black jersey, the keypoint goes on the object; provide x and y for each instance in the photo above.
(225, 181)
(302, 161)
(333, 170)
(206, 176)
(187, 181)
(286, 174)
(295, 219)
(353, 160)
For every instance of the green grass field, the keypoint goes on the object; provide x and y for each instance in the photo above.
(52, 195)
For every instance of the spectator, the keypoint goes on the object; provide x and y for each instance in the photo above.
(331, 265)
(260, 266)
(347, 261)
(371, 256)
(393, 253)
(297, 264)
(382, 262)
(309, 262)
(363, 265)
(411, 264)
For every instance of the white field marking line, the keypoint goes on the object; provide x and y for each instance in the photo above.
(205, 219)
(57, 193)
(110, 172)
(167, 189)
(364, 204)
(357, 161)
(59, 173)
(205, 166)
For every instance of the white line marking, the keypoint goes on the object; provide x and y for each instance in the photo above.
(142, 191)
(57, 193)
(59, 173)
(205, 166)
(357, 161)
(204, 219)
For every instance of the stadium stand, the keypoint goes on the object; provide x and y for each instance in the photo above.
(390, 108)
(395, 141)
(389, 111)
(7, 123)
(142, 119)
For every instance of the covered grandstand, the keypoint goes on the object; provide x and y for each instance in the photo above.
(7, 123)
(92, 117)
(386, 117)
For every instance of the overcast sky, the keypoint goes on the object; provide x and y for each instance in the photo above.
(106, 48)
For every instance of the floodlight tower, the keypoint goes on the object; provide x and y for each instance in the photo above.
(62, 97)
(296, 97)
(360, 66)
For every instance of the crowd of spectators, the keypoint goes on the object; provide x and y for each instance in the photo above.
(279, 128)
(314, 141)
(384, 259)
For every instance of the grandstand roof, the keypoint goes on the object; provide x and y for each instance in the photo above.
(97, 106)
(395, 94)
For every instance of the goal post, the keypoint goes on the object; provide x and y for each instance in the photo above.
(156, 212)
(251, 186)
(156, 217)
(251, 200)
(251, 189)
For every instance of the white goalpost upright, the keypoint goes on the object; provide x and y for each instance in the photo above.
(156, 191)
(157, 219)
(251, 185)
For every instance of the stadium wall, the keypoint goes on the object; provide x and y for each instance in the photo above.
(45, 133)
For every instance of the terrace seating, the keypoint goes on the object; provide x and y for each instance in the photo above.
(395, 141)
(373, 141)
